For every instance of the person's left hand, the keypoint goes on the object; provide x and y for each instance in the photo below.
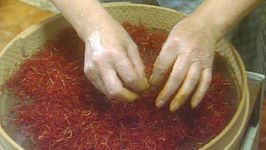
(189, 51)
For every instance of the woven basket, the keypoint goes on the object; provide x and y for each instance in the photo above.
(26, 43)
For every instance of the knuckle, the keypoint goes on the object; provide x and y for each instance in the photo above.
(117, 55)
(159, 68)
(114, 91)
(88, 69)
(131, 79)
(182, 69)
(97, 58)
(193, 78)
(175, 39)
(115, 50)
(175, 76)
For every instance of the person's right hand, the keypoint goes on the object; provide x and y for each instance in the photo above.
(188, 53)
(112, 61)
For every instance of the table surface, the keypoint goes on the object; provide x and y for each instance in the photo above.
(16, 16)
(254, 90)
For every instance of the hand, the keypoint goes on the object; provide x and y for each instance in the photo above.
(112, 61)
(189, 51)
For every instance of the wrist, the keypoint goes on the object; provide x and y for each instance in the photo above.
(216, 23)
(83, 15)
(207, 26)
(88, 24)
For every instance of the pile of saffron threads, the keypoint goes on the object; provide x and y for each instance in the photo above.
(61, 110)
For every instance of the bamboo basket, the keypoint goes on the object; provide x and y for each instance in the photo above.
(26, 43)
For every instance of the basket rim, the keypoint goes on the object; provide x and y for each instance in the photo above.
(244, 102)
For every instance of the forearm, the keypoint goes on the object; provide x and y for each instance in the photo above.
(224, 14)
(83, 15)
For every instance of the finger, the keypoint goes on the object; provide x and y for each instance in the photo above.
(202, 88)
(114, 87)
(176, 77)
(95, 79)
(127, 72)
(135, 59)
(91, 72)
(99, 85)
(187, 87)
(163, 62)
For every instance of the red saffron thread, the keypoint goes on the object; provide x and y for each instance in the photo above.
(66, 112)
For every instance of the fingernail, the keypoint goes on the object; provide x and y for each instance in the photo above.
(159, 104)
(174, 106)
(132, 97)
(160, 100)
(195, 103)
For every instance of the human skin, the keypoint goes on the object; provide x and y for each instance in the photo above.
(113, 64)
